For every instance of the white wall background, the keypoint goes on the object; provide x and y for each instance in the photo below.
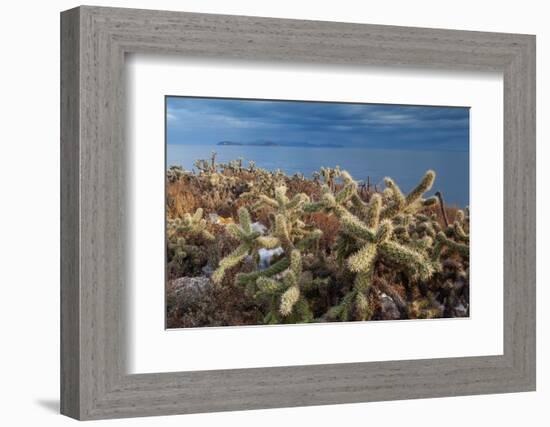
(29, 212)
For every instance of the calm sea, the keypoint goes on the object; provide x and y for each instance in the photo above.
(405, 167)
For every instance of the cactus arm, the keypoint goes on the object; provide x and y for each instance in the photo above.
(302, 310)
(268, 242)
(235, 231)
(230, 261)
(280, 196)
(309, 240)
(355, 227)
(373, 211)
(207, 235)
(342, 310)
(288, 300)
(265, 200)
(424, 185)
(276, 268)
(270, 318)
(298, 201)
(346, 193)
(313, 207)
(245, 220)
(398, 200)
(364, 311)
(296, 264)
(359, 204)
(384, 231)
(282, 233)
(197, 216)
(406, 258)
(413, 201)
(460, 233)
(363, 259)
(267, 286)
(453, 246)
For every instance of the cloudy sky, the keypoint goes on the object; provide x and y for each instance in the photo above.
(210, 120)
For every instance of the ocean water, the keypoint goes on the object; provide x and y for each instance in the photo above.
(405, 167)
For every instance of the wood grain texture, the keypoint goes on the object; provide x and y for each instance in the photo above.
(70, 314)
(94, 240)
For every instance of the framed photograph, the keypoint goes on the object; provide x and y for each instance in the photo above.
(291, 230)
(261, 213)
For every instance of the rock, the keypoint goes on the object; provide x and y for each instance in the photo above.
(460, 310)
(259, 227)
(266, 255)
(214, 218)
(190, 290)
(388, 308)
(207, 270)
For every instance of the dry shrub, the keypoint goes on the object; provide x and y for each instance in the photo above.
(296, 186)
(181, 199)
(329, 225)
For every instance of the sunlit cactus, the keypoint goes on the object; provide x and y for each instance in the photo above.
(285, 296)
(288, 231)
(367, 236)
(289, 226)
(458, 227)
(250, 242)
(337, 250)
(174, 173)
(413, 201)
(186, 239)
(292, 209)
(454, 240)
(189, 226)
(207, 166)
(329, 175)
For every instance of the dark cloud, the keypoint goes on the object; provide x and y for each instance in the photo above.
(210, 120)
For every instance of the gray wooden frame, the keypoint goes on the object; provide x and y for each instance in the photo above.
(94, 41)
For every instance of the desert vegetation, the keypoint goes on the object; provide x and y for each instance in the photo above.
(248, 246)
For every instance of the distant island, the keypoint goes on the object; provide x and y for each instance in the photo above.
(278, 144)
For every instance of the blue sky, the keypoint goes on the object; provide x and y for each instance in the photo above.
(210, 120)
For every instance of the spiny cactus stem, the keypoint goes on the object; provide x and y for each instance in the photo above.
(425, 185)
(459, 248)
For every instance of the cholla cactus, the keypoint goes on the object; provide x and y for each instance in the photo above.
(250, 242)
(368, 236)
(184, 257)
(185, 238)
(329, 176)
(413, 201)
(174, 173)
(454, 239)
(386, 255)
(287, 231)
(286, 297)
(189, 226)
(264, 183)
(207, 166)
(289, 226)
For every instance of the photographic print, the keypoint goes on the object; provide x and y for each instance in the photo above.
(288, 212)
